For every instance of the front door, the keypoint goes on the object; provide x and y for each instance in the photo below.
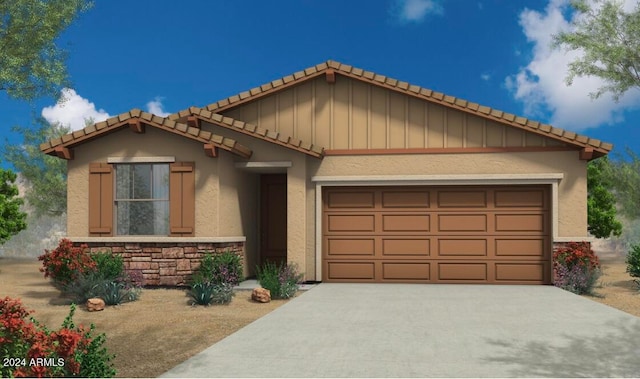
(273, 218)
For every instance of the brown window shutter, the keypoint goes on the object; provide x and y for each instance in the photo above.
(182, 199)
(100, 200)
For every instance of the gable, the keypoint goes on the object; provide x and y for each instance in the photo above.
(351, 114)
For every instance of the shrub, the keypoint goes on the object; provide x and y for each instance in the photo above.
(576, 267)
(206, 293)
(633, 262)
(220, 268)
(281, 280)
(75, 349)
(65, 263)
(109, 266)
(85, 286)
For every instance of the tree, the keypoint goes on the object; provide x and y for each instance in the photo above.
(609, 37)
(12, 219)
(47, 175)
(626, 173)
(601, 203)
(31, 64)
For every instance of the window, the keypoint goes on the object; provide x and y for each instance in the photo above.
(142, 199)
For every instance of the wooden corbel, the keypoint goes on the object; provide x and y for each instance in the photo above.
(330, 75)
(136, 126)
(210, 150)
(586, 153)
(193, 122)
(63, 152)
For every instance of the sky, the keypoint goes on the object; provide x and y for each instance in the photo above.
(163, 56)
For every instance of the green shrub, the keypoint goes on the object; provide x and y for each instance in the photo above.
(281, 280)
(109, 266)
(86, 286)
(206, 293)
(575, 268)
(222, 293)
(633, 262)
(220, 268)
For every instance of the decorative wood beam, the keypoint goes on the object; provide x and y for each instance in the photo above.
(136, 125)
(330, 75)
(210, 150)
(63, 152)
(193, 122)
(586, 153)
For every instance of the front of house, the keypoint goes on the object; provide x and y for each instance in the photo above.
(353, 176)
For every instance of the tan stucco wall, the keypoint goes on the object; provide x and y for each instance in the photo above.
(125, 143)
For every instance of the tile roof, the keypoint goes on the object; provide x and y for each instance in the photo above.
(523, 123)
(250, 129)
(113, 123)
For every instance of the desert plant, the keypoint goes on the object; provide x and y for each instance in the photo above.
(65, 263)
(222, 293)
(204, 273)
(633, 263)
(219, 268)
(109, 266)
(75, 349)
(202, 293)
(281, 280)
(85, 286)
(576, 267)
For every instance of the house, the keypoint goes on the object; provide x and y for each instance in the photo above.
(351, 175)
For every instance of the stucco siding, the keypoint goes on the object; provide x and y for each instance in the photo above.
(350, 114)
(125, 143)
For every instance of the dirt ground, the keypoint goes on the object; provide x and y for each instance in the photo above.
(161, 330)
(148, 336)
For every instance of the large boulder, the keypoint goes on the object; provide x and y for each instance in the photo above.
(95, 304)
(261, 295)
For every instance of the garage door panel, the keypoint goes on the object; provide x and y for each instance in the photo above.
(344, 246)
(406, 223)
(403, 246)
(351, 223)
(462, 223)
(462, 271)
(533, 247)
(350, 270)
(431, 234)
(405, 199)
(462, 199)
(533, 272)
(351, 199)
(519, 198)
(456, 247)
(520, 223)
(406, 271)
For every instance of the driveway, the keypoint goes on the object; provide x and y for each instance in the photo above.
(414, 330)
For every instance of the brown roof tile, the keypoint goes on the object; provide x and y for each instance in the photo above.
(93, 131)
(410, 89)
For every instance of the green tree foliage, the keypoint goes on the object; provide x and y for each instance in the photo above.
(626, 174)
(601, 202)
(47, 175)
(12, 219)
(609, 37)
(31, 64)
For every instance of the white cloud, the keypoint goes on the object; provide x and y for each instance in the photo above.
(155, 106)
(486, 77)
(541, 86)
(72, 110)
(416, 10)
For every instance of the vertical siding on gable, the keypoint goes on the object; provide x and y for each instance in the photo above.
(396, 120)
(340, 114)
(350, 114)
(435, 126)
(416, 123)
(359, 115)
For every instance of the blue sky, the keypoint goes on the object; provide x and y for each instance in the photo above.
(164, 56)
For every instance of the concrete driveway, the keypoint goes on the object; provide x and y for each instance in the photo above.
(407, 330)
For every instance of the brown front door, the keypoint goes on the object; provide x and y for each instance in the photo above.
(273, 218)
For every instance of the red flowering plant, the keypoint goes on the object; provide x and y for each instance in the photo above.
(31, 350)
(576, 267)
(66, 263)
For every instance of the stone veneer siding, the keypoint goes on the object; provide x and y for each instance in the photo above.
(163, 263)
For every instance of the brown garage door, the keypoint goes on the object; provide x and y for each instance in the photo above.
(431, 234)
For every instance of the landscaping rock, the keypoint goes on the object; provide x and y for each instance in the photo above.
(261, 295)
(95, 304)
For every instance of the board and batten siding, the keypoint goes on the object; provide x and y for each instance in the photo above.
(350, 114)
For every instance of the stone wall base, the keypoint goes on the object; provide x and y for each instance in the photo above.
(164, 263)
